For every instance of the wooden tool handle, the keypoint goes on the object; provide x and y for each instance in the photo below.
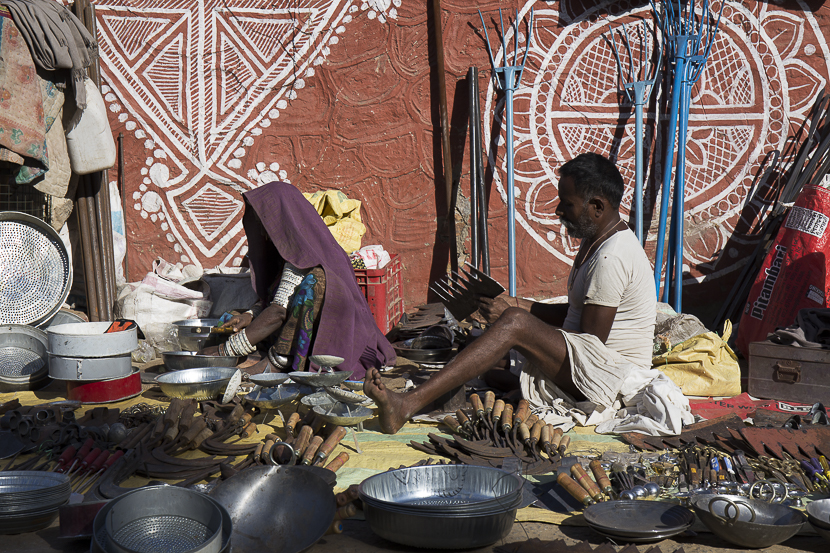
(293, 420)
(450, 421)
(489, 401)
(158, 429)
(600, 474)
(335, 528)
(266, 451)
(338, 461)
(507, 418)
(186, 418)
(544, 435)
(302, 439)
(311, 450)
(236, 414)
(170, 433)
(573, 488)
(524, 432)
(248, 430)
(258, 450)
(531, 420)
(585, 481)
(273, 436)
(498, 409)
(555, 438)
(462, 417)
(521, 412)
(198, 425)
(346, 511)
(563, 445)
(201, 437)
(536, 431)
(136, 436)
(331, 442)
(478, 407)
(342, 499)
(174, 411)
(316, 424)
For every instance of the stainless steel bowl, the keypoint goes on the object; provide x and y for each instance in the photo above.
(818, 513)
(747, 522)
(443, 489)
(194, 333)
(269, 380)
(320, 379)
(199, 384)
(183, 360)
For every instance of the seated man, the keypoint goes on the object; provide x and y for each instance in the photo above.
(585, 348)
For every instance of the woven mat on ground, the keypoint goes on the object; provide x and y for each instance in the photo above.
(379, 451)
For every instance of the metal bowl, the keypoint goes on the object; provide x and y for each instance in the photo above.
(269, 380)
(748, 522)
(199, 384)
(342, 414)
(318, 398)
(183, 360)
(347, 396)
(23, 358)
(320, 379)
(818, 513)
(194, 333)
(439, 531)
(443, 489)
(179, 503)
(273, 398)
(354, 385)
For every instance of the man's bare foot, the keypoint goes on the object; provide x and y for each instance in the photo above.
(391, 406)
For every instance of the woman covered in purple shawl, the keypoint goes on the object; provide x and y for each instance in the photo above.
(310, 301)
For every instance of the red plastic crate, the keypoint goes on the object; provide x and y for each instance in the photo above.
(383, 289)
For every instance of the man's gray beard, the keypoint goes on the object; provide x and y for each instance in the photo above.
(582, 228)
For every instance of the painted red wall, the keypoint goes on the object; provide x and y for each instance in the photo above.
(342, 94)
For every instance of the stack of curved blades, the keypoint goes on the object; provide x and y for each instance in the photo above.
(459, 292)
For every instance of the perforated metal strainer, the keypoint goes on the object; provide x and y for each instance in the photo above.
(35, 270)
(23, 358)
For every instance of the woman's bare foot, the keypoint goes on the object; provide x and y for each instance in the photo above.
(392, 408)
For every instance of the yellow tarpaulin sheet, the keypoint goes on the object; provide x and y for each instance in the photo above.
(341, 215)
(380, 452)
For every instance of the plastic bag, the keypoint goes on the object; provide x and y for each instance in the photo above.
(794, 273)
(703, 365)
(341, 215)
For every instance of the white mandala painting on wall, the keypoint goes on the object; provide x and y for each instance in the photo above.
(198, 81)
(755, 85)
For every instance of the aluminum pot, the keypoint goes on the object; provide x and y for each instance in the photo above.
(90, 340)
(748, 522)
(89, 369)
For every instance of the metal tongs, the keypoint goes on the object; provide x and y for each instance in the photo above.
(459, 293)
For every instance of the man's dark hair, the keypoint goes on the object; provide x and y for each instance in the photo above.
(595, 175)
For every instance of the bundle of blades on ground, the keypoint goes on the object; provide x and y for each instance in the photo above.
(459, 293)
(497, 431)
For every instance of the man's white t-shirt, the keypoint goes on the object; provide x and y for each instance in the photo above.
(618, 275)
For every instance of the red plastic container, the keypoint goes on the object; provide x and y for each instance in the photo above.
(383, 289)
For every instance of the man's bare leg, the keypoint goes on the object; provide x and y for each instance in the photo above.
(541, 343)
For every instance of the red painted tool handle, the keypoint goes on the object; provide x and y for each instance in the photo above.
(85, 449)
(66, 456)
(90, 458)
(113, 458)
(99, 461)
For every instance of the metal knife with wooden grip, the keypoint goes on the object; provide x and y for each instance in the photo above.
(302, 439)
(328, 446)
(454, 426)
(478, 407)
(489, 402)
(338, 461)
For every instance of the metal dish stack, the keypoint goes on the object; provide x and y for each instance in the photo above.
(162, 518)
(29, 500)
(638, 521)
(442, 506)
(95, 364)
(23, 358)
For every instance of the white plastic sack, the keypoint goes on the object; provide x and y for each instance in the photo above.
(89, 139)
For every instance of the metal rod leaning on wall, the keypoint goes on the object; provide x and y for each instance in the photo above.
(81, 212)
(472, 77)
(442, 107)
(121, 188)
(478, 157)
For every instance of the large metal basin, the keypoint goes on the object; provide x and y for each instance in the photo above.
(183, 360)
(199, 384)
(747, 522)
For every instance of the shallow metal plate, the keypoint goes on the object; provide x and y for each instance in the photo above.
(35, 270)
(342, 414)
(638, 519)
(273, 398)
(320, 379)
